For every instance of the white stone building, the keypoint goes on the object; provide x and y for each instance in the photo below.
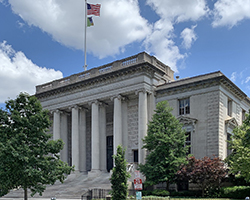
(96, 110)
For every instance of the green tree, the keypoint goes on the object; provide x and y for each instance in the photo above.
(29, 158)
(119, 176)
(239, 159)
(165, 142)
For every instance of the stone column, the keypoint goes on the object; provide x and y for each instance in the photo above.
(151, 105)
(117, 122)
(75, 138)
(95, 139)
(142, 124)
(56, 125)
(82, 140)
(64, 136)
(102, 128)
(125, 127)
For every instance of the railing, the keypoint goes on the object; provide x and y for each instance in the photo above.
(94, 72)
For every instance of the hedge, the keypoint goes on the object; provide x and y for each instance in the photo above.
(236, 192)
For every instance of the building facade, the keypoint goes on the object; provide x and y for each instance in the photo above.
(96, 110)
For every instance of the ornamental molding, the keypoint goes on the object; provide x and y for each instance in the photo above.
(187, 120)
(231, 123)
(119, 97)
(113, 77)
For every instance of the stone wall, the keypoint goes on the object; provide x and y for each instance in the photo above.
(133, 128)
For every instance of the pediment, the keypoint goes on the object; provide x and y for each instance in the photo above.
(187, 120)
(232, 121)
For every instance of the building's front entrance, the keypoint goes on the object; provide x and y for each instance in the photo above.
(109, 153)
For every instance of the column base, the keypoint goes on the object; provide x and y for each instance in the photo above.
(94, 173)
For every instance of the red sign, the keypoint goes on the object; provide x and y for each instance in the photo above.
(138, 184)
(137, 181)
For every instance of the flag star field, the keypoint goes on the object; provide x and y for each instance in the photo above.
(43, 40)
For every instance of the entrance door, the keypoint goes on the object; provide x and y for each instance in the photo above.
(109, 153)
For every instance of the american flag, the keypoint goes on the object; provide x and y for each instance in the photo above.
(93, 9)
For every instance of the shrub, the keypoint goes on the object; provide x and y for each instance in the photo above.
(147, 192)
(236, 192)
(162, 193)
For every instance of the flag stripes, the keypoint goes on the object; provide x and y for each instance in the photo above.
(93, 9)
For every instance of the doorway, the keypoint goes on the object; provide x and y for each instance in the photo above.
(109, 153)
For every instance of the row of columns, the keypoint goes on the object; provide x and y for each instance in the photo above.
(146, 105)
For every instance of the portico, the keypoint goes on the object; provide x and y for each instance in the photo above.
(96, 110)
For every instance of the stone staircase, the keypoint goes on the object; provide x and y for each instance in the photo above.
(76, 185)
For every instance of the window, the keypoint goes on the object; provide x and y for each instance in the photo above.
(184, 106)
(243, 115)
(135, 156)
(229, 107)
(229, 151)
(188, 142)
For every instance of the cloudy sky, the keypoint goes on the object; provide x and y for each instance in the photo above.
(42, 40)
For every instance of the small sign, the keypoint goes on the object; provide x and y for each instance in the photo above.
(137, 174)
(138, 184)
(138, 195)
(137, 181)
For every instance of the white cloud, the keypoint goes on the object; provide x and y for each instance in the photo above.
(247, 79)
(19, 74)
(230, 12)
(180, 10)
(120, 23)
(233, 76)
(161, 41)
(162, 45)
(189, 37)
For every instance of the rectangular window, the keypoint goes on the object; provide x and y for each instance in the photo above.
(184, 106)
(135, 156)
(229, 107)
(229, 151)
(188, 142)
(243, 115)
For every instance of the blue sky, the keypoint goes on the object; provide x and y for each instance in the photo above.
(42, 40)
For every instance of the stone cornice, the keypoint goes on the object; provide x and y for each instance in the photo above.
(138, 63)
(200, 82)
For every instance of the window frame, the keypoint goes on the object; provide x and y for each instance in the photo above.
(188, 141)
(184, 106)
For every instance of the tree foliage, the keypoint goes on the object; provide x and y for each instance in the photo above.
(119, 176)
(165, 142)
(239, 159)
(29, 159)
(206, 172)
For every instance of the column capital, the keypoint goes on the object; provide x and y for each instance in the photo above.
(56, 111)
(140, 90)
(97, 102)
(119, 97)
(74, 106)
(83, 108)
(151, 92)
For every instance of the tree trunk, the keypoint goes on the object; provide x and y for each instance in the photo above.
(25, 194)
(167, 185)
(202, 191)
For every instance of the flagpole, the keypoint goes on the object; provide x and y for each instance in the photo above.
(85, 38)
